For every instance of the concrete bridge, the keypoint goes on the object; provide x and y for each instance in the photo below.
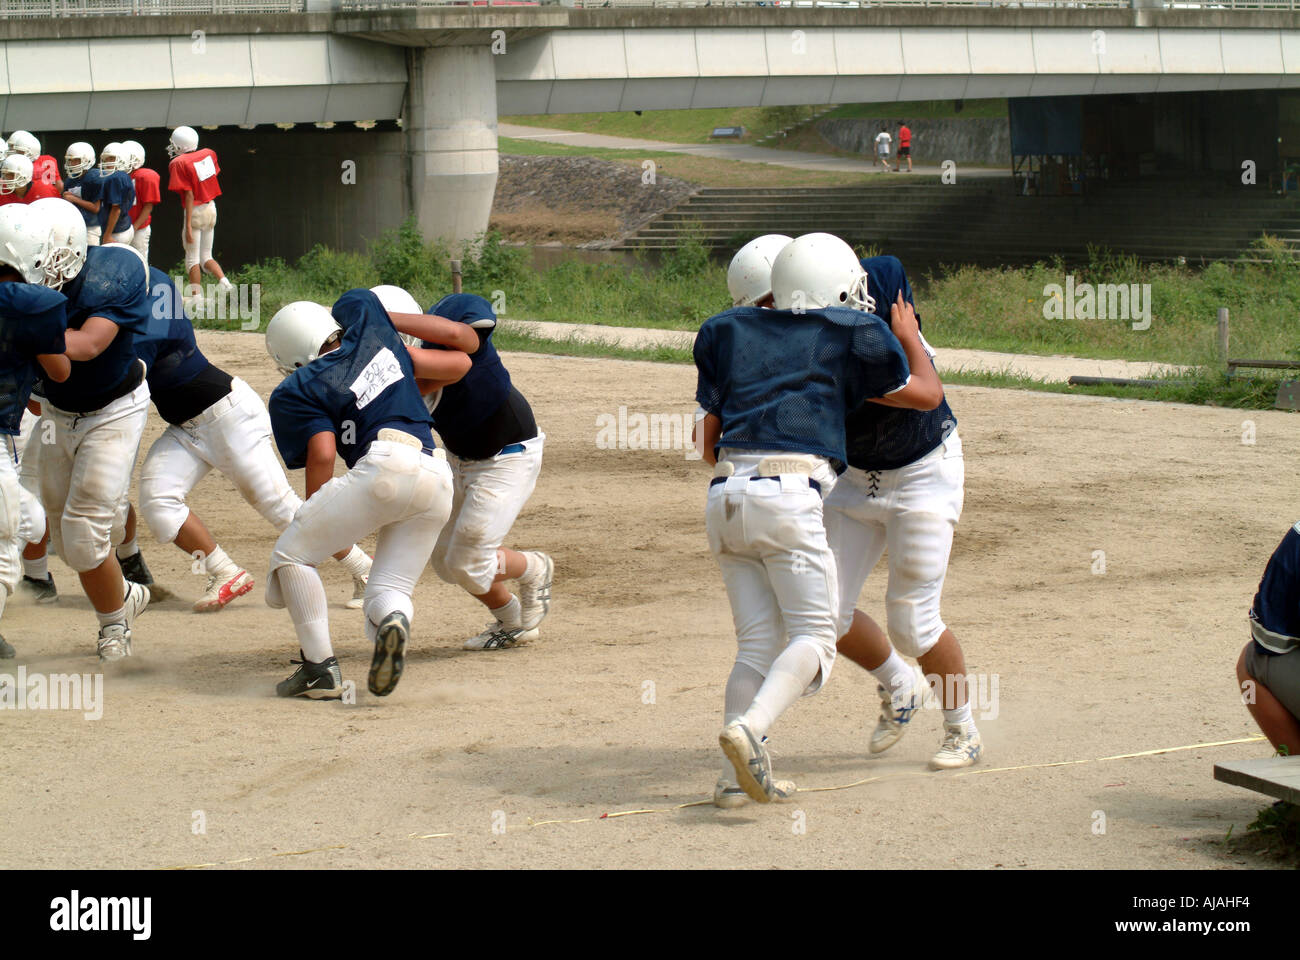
(446, 72)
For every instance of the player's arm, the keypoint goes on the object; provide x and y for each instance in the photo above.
(438, 368)
(706, 433)
(189, 209)
(924, 389)
(435, 329)
(146, 210)
(321, 449)
(114, 212)
(91, 340)
(57, 367)
(34, 407)
(72, 198)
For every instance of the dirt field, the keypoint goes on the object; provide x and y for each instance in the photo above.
(1088, 666)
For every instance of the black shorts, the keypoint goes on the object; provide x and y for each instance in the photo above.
(904, 151)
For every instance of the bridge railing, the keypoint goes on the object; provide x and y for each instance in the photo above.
(44, 9)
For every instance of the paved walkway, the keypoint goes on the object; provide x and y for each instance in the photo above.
(1053, 368)
(744, 152)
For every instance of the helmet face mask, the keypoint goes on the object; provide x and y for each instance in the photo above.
(79, 158)
(64, 253)
(819, 270)
(113, 158)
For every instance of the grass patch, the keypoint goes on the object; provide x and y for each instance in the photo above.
(706, 171)
(673, 126)
(910, 110)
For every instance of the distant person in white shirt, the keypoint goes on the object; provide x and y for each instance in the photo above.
(883, 140)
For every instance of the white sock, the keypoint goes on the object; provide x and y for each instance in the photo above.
(37, 569)
(113, 616)
(894, 675)
(224, 283)
(217, 563)
(791, 673)
(304, 595)
(357, 562)
(128, 549)
(509, 614)
(742, 686)
(960, 715)
(532, 566)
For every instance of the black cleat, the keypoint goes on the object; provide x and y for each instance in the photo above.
(390, 654)
(44, 590)
(316, 681)
(7, 651)
(136, 570)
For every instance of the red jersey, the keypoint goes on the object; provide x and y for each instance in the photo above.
(45, 170)
(904, 136)
(36, 190)
(146, 191)
(195, 171)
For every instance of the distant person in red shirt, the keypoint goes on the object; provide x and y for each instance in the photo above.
(17, 185)
(905, 144)
(193, 174)
(147, 193)
(45, 169)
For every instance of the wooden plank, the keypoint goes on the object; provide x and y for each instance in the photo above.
(1274, 776)
(1266, 364)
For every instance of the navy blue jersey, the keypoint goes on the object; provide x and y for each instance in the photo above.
(481, 392)
(781, 380)
(172, 358)
(886, 438)
(31, 323)
(116, 188)
(365, 385)
(89, 186)
(114, 284)
(1275, 614)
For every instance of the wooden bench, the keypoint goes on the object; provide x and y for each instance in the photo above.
(1262, 365)
(1288, 391)
(1274, 776)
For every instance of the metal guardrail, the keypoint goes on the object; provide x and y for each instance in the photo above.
(46, 9)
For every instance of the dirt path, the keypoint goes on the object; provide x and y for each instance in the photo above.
(1054, 368)
(512, 759)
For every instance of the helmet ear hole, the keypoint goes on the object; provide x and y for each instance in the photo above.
(844, 296)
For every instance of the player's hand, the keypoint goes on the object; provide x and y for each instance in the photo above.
(189, 235)
(902, 319)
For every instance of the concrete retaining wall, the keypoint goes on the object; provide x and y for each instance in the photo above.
(978, 140)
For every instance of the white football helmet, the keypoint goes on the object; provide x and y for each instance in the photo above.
(297, 332)
(79, 158)
(397, 300)
(114, 157)
(15, 173)
(4, 147)
(134, 153)
(20, 141)
(819, 270)
(66, 229)
(184, 140)
(749, 278)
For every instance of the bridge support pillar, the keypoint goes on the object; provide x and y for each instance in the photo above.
(451, 135)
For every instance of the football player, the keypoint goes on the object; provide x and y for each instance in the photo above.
(83, 188)
(146, 195)
(17, 185)
(351, 391)
(192, 173)
(117, 196)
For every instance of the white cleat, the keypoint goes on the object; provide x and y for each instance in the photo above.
(961, 747)
(114, 642)
(896, 714)
(497, 636)
(749, 758)
(727, 794)
(137, 599)
(358, 593)
(222, 589)
(535, 591)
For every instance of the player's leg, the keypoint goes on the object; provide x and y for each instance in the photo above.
(1270, 687)
(36, 572)
(402, 551)
(128, 552)
(99, 479)
(205, 246)
(141, 241)
(11, 518)
(856, 534)
(919, 539)
(488, 498)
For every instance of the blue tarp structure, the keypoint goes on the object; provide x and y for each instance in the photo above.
(1046, 125)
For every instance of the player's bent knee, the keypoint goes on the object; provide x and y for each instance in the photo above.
(910, 636)
(164, 515)
(472, 568)
(83, 545)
